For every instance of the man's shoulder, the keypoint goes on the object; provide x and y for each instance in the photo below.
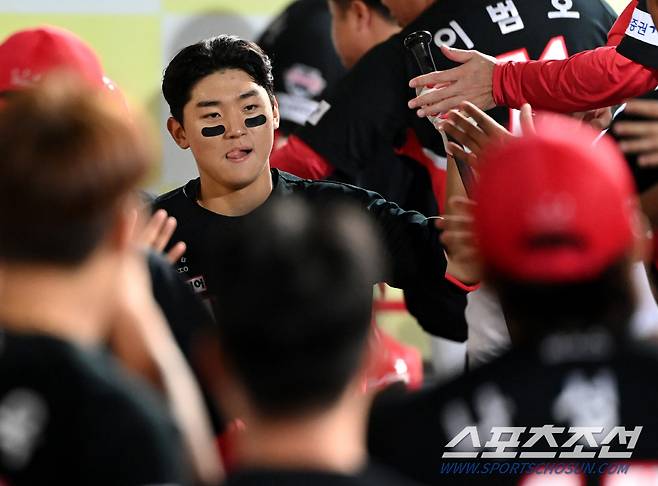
(174, 197)
(291, 184)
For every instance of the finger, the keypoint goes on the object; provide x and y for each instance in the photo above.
(639, 145)
(648, 160)
(153, 226)
(460, 136)
(435, 78)
(176, 252)
(461, 205)
(165, 234)
(458, 55)
(442, 106)
(460, 222)
(454, 239)
(484, 121)
(467, 126)
(432, 96)
(648, 108)
(527, 120)
(636, 128)
(166, 231)
(459, 153)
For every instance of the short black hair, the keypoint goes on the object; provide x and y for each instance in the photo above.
(376, 5)
(534, 310)
(294, 286)
(69, 159)
(208, 56)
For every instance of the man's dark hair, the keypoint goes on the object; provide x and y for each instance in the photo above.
(376, 5)
(294, 286)
(534, 310)
(69, 159)
(208, 56)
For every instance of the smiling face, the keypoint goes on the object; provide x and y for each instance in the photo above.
(229, 124)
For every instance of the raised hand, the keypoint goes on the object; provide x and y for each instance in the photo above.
(474, 130)
(156, 234)
(640, 137)
(472, 81)
(458, 240)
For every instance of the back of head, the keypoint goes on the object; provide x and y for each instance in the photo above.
(375, 5)
(208, 56)
(294, 306)
(69, 158)
(556, 222)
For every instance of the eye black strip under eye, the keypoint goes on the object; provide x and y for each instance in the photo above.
(213, 131)
(255, 121)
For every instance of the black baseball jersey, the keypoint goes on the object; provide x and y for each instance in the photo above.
(70, 415)
(640, 41)
(417, 259)
(370, 476)
(569, 381)
(304, 61)
(369, 112)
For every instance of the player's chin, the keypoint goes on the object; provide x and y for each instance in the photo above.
(238, 178)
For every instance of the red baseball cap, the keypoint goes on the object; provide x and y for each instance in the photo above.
(553, 206)
(27, 55)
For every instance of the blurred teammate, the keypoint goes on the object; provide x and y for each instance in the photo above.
(625, 68)
(68, 413)
(557, 228)
(304, 62)
(27, 57)
(294, 372)
(367, 116)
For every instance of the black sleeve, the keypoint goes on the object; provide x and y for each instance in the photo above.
(186, 315)
(189, 321)
(418, 266)
(416, 259)
(640, 43)
(368, 111)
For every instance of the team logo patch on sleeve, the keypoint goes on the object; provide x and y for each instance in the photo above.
(641, 27)
(198, 284)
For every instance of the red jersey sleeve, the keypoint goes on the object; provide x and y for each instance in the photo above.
(301, 160)
(619, 28)
(588, 80)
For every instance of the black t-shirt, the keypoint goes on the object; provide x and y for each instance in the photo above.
(69, 415)
(417, 259)
(369, 114)
(584, 381)
(371, 476)
(304, 62)
(640, 42)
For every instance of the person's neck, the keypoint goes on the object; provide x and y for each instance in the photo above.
(67, 303)
(383, 29)
(235, 202)
(332, 441)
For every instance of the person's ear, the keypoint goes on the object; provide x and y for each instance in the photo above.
(276, 117)
(362, 14)
(177, 132)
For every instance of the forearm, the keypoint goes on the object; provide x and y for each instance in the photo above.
(585, 81)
